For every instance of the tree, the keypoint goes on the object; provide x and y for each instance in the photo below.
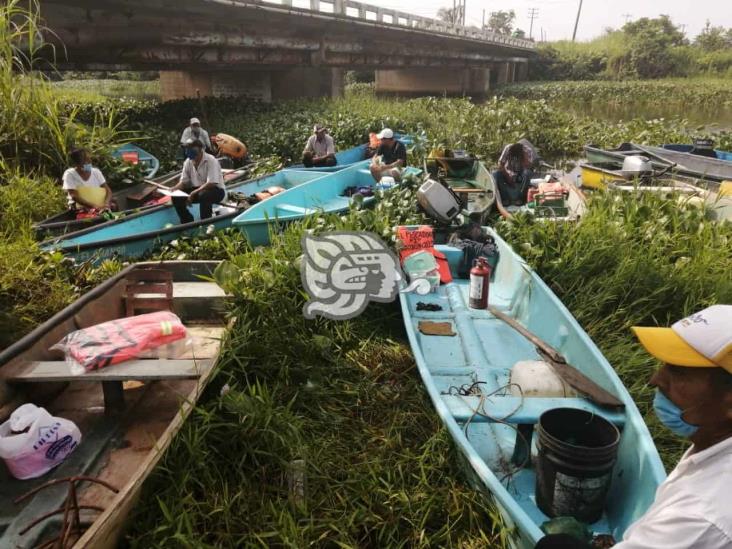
(654, 45)
(501, 21)
(449, 15)
(519, 33)
(714, 38)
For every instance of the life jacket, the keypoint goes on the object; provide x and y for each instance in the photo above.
(118, 340)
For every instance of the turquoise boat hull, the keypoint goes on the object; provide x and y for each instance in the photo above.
(134, 235)
(347, 158)
(143, 157)
(321, 196)
(484, 349)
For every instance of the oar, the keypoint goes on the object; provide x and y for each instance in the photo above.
(566, 371)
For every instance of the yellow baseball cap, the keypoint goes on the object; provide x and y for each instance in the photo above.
(701, 340)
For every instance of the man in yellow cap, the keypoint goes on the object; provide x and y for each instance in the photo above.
(693, 506)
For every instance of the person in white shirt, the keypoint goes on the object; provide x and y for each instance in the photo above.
(202, 179)
(81, 182)
(195, 131)
(319, 149)
(693, 506)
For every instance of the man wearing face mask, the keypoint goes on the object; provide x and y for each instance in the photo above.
(195, 131)
(202, 179)
(85, 185)
(693, 506)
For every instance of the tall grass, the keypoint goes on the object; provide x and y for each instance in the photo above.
(344, 398)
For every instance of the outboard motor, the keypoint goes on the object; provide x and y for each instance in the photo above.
(637, 166)
(438, 201)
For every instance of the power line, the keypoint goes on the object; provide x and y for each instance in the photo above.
(576, 21)
(533, 12)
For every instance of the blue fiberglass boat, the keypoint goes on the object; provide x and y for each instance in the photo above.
(349, 157)
(135, 155)
(323, 195)
(138, 233)
(484, 349)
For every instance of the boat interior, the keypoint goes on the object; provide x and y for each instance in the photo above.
(327, 194)
(127, 412)
(154, 221)
(468, 374)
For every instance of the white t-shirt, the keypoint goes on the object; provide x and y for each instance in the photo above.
(202, 135)
(72, 180)
(208, 171)
(693, 506)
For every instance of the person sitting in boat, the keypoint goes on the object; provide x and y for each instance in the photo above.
(514, 173)
(372, 146)
(390, 157)
(85, 185)
(195, 131)
(319, 149)
(693, 506)
(202, 179)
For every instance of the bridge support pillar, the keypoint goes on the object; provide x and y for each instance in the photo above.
(447, 81)
(522, 71)
(259, 85)
(505, 72)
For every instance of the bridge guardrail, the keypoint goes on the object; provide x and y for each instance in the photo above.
(385, 16)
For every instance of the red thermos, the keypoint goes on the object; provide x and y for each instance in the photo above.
(479, 278)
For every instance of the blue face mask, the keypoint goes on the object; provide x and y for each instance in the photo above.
(670, 415)
(87, 167)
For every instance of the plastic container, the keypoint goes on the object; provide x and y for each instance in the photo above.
(577, 452)
(423, 265)
(538, 379)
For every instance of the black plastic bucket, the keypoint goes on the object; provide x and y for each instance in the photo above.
(577, 451)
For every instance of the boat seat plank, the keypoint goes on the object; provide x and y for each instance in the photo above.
(463, 408)
(141, 370)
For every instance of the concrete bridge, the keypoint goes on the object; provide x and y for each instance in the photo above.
(270, 50)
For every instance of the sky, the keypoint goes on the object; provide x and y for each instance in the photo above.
(556, 17)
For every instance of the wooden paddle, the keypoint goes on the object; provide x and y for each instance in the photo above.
(566, 371)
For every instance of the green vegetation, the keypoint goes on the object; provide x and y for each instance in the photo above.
(96, 90)
(344, 397)
(645, 48)
(705, 92)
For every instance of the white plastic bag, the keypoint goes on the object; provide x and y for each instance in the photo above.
(32, 441)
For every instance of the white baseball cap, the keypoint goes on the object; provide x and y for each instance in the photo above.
(386, 133)
(195, 121)
(701, 340)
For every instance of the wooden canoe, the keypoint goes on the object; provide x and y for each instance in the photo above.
(126, 425)
(478, 350)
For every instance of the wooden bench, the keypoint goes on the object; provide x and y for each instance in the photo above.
(112, 377)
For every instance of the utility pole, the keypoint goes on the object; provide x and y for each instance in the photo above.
(483, 24)
(627, 16)
(533, 12)
(576, 21)
(464, 12)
